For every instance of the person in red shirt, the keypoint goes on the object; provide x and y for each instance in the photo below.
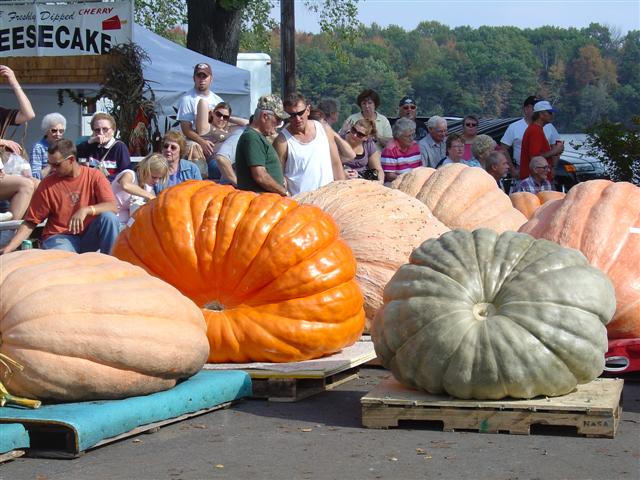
(534, 141)
(76, 201)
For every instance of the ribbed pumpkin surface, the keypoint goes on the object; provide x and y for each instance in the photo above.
(597, 217)
(527, 203)
(93, 327)
(382, 226)
(273, 278)
(482, 315)
(467, 197)
(412, 182)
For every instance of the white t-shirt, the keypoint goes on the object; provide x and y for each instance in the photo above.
(189, 105)
(308, 164)
(515, 132)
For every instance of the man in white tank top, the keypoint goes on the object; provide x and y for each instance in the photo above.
(307, 151)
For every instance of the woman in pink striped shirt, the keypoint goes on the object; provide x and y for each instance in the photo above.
(402, 154)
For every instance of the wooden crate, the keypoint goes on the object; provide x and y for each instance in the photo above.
(290, 382)
(593, 409)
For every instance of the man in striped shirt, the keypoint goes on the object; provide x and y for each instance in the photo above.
(402, 154)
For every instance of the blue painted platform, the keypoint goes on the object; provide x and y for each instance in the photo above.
(66, 430)
(13, 436)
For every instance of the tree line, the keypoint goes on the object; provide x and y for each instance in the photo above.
(589, 74)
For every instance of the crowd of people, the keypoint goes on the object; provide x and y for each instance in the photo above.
(287, 147)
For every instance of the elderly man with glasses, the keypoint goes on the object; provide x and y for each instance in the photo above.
(76, 201)
(433, 146)
(258, 168)
(537, 180)
(307, 149)
(408, 108)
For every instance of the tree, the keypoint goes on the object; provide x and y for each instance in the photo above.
(618, 147)
(160, 16)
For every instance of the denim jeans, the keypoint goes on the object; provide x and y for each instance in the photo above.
(100, 235)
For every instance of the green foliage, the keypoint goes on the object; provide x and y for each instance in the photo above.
(618, 147)
(160, 16)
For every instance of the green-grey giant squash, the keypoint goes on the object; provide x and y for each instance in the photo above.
(485, 315)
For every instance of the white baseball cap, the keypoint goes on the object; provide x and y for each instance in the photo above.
(543, 106)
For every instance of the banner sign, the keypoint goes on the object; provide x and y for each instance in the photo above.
(41, 29)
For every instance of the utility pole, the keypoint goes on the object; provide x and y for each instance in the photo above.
(287, 47)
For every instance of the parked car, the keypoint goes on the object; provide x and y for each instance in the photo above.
(576, 166)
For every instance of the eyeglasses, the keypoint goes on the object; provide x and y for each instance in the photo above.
(457, 145)
(546, 167)
(56, 130)
(298, 114)
(170, 146)
(57, 164)
(409, 107)
(221, 115)
(358, 133)
(101, 130)
(467, 124)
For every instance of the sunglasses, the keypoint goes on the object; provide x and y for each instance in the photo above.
(222, 115)
(298, 114)
(470, 124)
(409, 107)
(56, 130)
(357, 133)
(101, 130)
(57, 164)
(170, 146)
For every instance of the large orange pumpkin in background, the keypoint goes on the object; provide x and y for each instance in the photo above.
(273, 278)
(88, 327)
(598, 218)
(465, 197)
(528, 202)
(382, 226)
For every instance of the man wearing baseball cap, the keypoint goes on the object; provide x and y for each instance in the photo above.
(258, 168)
(513, 135)
(202, 78)
(534, 141)
(407, 108)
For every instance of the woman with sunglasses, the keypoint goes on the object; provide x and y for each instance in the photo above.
(53, 126)
(367, 157)
(174, 147)
(103, 148)
(133, 189)
(469, 134)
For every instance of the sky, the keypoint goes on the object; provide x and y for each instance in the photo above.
(621, 14)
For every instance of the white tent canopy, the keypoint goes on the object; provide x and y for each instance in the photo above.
(169, 73)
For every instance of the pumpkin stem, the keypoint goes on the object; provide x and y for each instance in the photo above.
(482, 311)
(214, 305)
(5, 396)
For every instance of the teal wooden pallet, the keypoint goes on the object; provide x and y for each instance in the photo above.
(68, 430)
(13, 441)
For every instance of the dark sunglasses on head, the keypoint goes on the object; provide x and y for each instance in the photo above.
(298, 114)
(467, 124)
(358, 133)
(221, 115)
(170, 146)
(409, 107)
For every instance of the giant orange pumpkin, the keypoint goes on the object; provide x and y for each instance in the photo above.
(528, 202)
(90, 326)
(465, 197)
(599, 218)
(273, 278)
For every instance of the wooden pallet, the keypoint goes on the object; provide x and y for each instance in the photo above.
(593, 409)
(290, 382)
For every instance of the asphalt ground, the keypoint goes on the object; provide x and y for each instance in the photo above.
(321, 437)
